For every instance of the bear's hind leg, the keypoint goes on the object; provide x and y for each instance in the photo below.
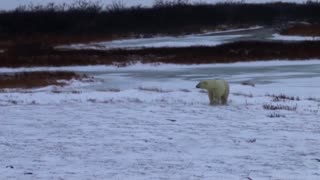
(224, 99)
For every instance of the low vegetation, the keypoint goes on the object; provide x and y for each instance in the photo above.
(313, 99)
(302, 30)
(37, 79)
(279, 107)
(283, 97)
(275, 115)
(29, 55)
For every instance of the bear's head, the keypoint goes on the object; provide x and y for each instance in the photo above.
(202, 84)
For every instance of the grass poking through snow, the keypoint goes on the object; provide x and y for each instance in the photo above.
(279, 107)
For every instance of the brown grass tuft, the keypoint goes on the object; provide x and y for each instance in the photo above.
(275, 115)
(283, 97)
(279, 107)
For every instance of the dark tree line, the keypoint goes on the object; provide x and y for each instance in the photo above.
(86, 17)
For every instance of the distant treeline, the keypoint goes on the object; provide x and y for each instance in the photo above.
(164, 17)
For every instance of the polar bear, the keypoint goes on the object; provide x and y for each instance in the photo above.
(218, 90)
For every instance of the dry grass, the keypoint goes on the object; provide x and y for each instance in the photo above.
(283, 97)
(185, 90)
(36, 79)
(302, 30)
(248, 83)
(279, 107)
(113, 90)
(313, 99)
(42, 55)
(275, 115)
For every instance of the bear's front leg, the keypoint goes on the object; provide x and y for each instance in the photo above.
(213, 99)
(210, 95)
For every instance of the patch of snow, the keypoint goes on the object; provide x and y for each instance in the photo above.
(232, 30)
(294, 38)
(157, 42)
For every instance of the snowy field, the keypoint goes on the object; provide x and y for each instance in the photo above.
(150, 122)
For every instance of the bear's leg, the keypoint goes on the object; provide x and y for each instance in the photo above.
(224, 99)
(210, 97)
(214, 99)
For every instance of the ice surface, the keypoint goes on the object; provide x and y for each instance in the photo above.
(157, 125)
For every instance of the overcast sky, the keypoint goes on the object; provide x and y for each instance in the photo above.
(11, 4)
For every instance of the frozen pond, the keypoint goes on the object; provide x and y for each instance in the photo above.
(130, 77)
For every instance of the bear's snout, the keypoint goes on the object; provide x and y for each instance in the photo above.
(198, 86)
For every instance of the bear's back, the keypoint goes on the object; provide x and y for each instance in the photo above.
(217, 84)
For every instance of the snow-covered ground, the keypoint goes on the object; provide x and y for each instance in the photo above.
(204, 39)
(150, 122)
(210, 38)
(294, 38)
(158, 42)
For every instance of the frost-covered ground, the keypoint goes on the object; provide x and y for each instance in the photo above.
(150, 122)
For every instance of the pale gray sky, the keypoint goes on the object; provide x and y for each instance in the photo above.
(11, 4)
